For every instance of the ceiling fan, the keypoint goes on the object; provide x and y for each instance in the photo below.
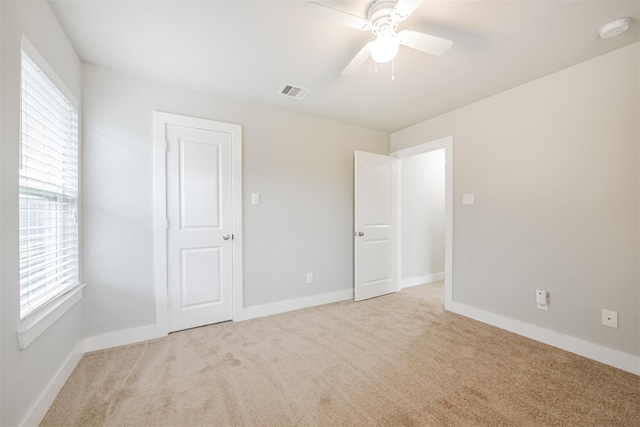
(382, 19)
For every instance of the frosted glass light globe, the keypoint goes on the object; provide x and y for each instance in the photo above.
(385, 48)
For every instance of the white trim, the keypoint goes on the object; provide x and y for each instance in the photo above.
(425, 147)
(50, 392)
(159, 221)
(160, 121)
(421, 280)
(293, 304)
(621, 360)
(447, 144)
(398, 225)
(123, 337)
(32, 326)
(237, 291)
(150, 332)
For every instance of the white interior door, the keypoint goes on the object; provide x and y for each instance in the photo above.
(200, 226)
(376, 225)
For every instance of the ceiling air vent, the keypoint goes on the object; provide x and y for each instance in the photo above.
(291, 91)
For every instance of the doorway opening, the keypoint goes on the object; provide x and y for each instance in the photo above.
(426, 213)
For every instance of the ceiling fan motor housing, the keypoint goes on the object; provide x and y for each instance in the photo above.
(382, 17)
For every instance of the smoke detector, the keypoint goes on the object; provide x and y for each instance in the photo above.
(615, 28)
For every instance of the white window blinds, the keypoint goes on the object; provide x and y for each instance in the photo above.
(48, 191)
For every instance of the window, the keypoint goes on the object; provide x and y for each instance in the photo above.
(48, 190)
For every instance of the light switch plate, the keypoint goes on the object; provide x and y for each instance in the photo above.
(467, 199)
(255, 198)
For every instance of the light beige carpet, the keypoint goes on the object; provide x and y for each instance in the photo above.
(394, 360)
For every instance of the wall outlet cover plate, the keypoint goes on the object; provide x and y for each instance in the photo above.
(610, 318)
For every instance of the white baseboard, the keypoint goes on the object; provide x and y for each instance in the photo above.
(49, 394)
(608, 356)
(123, 337)
(421, 280)
(149, 332)
(292, 304)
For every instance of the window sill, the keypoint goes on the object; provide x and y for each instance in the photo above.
(35, 324)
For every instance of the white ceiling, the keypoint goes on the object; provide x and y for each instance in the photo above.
(249, 49)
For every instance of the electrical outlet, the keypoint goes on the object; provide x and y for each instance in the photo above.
(309, 277)
(542, 300)
(610, 318)
(467, 199)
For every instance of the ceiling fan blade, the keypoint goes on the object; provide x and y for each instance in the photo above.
(315, 10)
(424, 42)
(358, 60)
(404, 8)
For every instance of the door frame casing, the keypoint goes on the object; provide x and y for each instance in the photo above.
(445, 143)
(160, 122)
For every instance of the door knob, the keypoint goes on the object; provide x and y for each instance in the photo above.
(226, 237)
(360, 233)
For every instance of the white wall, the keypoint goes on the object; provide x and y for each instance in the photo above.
(554, 165)
(422, 217)
(1, 221)
(27, 373)
(302, 167)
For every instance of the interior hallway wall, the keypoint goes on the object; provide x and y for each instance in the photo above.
(554, 166)
(302, 166)
(422, 218)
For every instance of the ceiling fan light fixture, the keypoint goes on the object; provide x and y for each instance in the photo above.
(385, 48)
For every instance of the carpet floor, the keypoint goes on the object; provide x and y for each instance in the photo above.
(390, 361)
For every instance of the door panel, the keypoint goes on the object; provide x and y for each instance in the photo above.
(377, 197)
(376, 222)
(199, 212)
(199, 177)
(377, 254)
(200, 280)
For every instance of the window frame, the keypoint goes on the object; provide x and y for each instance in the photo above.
(37, 321)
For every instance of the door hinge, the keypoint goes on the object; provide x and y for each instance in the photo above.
(166, 145)
(166, 223)
(232, 236)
